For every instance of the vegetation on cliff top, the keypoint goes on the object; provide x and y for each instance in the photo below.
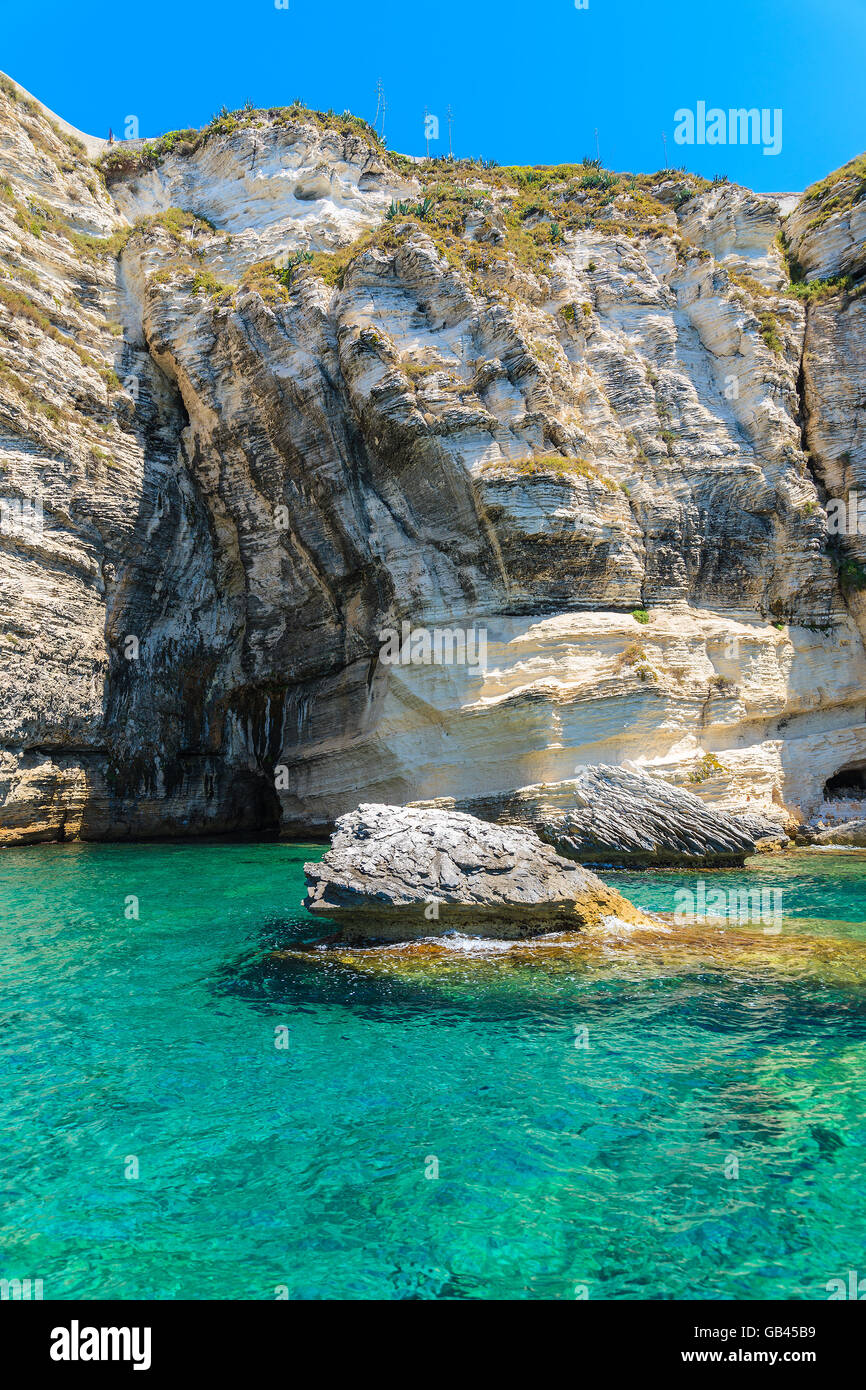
(839, 191)
(37, 115)
(480, 215)
(126, 160)
(533, 208)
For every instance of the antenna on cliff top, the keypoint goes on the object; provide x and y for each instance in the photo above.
(597, 154)
(380, 97)
(427, 131)
(450, 119)
(665, 143)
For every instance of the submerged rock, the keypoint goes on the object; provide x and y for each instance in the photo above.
(400, 873)
(460, 967)
(608, 815)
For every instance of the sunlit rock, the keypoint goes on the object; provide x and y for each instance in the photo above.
(401, 873)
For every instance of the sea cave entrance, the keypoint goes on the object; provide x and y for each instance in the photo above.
(848, 784)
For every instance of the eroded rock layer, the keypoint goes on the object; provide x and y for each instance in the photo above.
(269, 392)
(614, 816)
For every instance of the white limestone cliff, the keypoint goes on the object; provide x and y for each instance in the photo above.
(454, 416)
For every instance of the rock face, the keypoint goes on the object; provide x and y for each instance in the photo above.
(852, 834)
(614, 817)
(827, 235)
(401, 872)
(223, 483)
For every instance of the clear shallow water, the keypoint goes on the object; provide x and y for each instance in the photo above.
(558, 1166)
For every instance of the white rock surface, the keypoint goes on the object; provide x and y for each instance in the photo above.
(391, 418)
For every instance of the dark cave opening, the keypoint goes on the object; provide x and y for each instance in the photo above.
(255, 805)
(848, 784)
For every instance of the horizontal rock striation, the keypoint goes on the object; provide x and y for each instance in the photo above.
(399, 873)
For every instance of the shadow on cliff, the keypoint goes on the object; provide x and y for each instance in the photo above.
(173, 626)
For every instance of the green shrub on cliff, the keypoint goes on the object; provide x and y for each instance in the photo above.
(706, 767)
(770, 332)
(203, 282)
(273, 282)
(537, 464)
(632, 654)
(852, 574)
(814, 291)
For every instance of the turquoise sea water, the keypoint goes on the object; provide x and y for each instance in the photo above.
(606, 1167)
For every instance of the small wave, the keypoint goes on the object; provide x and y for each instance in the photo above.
(618, 926)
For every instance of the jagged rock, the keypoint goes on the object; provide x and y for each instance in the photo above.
(851, 833)
(611, 816)
(403, 872)
(767, 834)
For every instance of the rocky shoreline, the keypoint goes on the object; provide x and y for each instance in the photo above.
(520, 867)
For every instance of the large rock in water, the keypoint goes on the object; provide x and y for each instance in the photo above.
(611, 816)
(404, 872)
(851, 833)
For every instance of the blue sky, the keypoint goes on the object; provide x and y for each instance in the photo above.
(527, 82)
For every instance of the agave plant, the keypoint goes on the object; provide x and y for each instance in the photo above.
(284, 272)
(596, 180)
